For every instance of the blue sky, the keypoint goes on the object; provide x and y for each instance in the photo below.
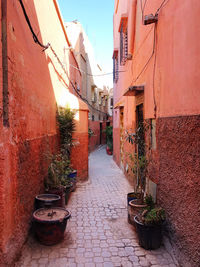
(96, 16)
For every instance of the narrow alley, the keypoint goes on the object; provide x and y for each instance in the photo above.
(98, 233)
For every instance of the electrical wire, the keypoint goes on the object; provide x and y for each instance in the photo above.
(73, 86)
(144, 67)
(36, 40)
(142, 8)
(161, 6)
(94, 75)
(154, 72)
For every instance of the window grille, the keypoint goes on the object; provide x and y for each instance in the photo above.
(115, 68)
(123, 44)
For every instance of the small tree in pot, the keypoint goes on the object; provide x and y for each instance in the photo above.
(109, 139)
(57, 181)
(138, 164)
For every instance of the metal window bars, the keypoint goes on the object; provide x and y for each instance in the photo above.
(123, 44)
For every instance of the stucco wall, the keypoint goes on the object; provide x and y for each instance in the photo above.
(36, 85)
(179, 183)
(94, 140)
(166, 60)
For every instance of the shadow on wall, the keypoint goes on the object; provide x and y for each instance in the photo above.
(32, 132)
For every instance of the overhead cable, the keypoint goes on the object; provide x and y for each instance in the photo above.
(36, 40)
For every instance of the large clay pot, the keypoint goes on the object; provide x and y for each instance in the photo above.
(150, 236)
(136, 206)
(46, 201)
(58, 191)
(49, 224)
(131, 196)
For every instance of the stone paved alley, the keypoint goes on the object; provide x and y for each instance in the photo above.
(98, 233)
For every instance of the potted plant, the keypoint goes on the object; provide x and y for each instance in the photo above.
(109, 139)
(66, 124)
(57, 180)
(138, 164)
(149, 227)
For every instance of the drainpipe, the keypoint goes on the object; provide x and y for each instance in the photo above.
(5, 62)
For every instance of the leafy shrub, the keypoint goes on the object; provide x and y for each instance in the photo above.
(66, 125)
(154, 216)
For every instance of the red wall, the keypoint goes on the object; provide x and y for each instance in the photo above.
(36, 85)
(31, 134)
(79, 155)
(94, 140)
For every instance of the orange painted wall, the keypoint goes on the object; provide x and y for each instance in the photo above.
(36, 85)
(94, 140)
(170, 72)
(178, 57)
(79, 153)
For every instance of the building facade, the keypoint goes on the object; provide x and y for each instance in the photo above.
(93, 89)
(156, 63)
(36, 77)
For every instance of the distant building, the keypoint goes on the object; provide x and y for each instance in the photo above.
(94, 91)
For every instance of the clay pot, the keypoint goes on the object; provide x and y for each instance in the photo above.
(60, 192)
(46, 201)
(49, 225)
(136, 206)
(131, 196)
(109, 152)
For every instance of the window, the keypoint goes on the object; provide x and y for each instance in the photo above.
(115, 67)
(123, 41)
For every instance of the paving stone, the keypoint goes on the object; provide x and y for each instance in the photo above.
(98, 234)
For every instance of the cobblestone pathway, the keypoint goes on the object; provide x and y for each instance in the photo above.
(98, 233)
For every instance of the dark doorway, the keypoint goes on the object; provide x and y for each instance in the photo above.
(140, 127)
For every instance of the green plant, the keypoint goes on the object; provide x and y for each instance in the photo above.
(90, 132)
(109, 137)
(148, 200)
(153, 216)
(58, 171)
(66, 124)
(138, 160)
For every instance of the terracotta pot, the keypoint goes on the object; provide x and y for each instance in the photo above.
(136, 206)
(131, 196)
